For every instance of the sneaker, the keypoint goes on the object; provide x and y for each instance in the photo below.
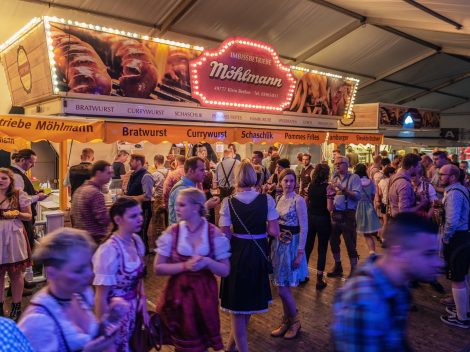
(453, 311)
(454, 321)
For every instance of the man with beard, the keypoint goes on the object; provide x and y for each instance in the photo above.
(456, 240)
(401, 196)
(440, 159)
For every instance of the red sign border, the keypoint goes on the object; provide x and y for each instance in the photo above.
(225, 104)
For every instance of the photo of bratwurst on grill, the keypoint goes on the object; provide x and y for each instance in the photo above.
(79, 64)
(311, 95)
(129, 61)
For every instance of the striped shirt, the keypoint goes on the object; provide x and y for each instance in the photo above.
(89, 210)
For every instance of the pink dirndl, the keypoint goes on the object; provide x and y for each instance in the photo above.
(126, 288)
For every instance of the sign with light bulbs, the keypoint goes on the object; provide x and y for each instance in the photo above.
(242, 74)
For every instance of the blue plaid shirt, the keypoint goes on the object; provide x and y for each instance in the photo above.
(180, 185)
(11, 338)
(370, 313)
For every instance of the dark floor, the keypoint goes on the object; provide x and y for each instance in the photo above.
(426, 332)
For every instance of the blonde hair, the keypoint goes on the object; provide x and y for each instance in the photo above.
(57, 247)
(245, 175)
(195, 196)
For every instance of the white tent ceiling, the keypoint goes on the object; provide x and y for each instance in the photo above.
(410, 52)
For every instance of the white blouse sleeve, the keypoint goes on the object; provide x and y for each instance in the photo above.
(105, 265)
(164, 243)
(272, 212)
(301, 208)
(225, 218)
(40, 330)
(221, 247)
(25, 199)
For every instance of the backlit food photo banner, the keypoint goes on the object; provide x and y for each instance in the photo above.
(240, 74)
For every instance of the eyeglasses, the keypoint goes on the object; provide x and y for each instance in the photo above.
(442, 174)
(338, 164)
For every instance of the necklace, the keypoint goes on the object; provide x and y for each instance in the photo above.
(61, 301)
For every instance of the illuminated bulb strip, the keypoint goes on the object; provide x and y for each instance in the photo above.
(20, 33)
(50, 50)
(123, 33)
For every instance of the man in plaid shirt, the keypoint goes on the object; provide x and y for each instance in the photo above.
(371, 310)
(11, 338)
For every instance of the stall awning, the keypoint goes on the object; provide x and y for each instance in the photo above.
(355, 138)
(425, 142)
(59, 129)
(50, 128)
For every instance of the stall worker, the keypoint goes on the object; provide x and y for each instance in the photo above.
(140, 187)
(79, 173)
(119, 168)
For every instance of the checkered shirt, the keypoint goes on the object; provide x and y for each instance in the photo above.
(370, 313)
(11, 338)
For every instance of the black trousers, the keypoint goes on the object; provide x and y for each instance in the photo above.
(318, 225)
(147, 212)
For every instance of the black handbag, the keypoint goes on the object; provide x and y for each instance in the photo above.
(147, 337)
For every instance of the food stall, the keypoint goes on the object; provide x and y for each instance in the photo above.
(103, 88)
(405, 129)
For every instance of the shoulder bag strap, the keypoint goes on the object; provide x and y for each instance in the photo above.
(246, 229)
(459, 190)
(56, 322)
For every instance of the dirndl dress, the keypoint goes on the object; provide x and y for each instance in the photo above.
(113, 268)
(283, 253)
(15, 252)
(246, 290)
(367, 220)
(189, 308)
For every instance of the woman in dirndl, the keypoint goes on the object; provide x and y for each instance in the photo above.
(191, 253)
(15, 206)
(367, 221)
(118, 266)
(247, 218)
(288, 252)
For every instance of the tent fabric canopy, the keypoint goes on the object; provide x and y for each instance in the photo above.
(401, 53)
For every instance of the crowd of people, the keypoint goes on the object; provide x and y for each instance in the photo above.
(252, 223)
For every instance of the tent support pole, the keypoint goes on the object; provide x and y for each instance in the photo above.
(63, 201)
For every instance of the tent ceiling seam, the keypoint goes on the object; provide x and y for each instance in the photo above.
(174, 16)
(52, 4)
(436, 89)
(433, 13)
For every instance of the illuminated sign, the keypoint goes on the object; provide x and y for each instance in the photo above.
(243, 74)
